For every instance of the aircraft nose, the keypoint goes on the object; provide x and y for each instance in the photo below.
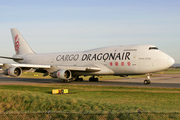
(171, 61)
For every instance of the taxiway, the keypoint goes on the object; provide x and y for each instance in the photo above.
(162, 81)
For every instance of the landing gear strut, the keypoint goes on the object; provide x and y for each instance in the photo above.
(93, 79)
(147, 81)
(78, 79)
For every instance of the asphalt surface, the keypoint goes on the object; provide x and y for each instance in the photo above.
(162, 81)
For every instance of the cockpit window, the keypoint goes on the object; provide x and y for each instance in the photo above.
(153, 48)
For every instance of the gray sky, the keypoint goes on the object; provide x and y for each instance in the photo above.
(78, 25)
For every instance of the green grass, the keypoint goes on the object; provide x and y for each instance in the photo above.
(87, 98)
(20, 98)
(109, 77)
(34, 75)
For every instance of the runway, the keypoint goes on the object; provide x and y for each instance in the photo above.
(162, 81)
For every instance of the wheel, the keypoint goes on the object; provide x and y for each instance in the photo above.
(96, 79)
(145, 82)
(149, 82)
(71, 80)
(90, 79)
(76, 78)
(81, 79)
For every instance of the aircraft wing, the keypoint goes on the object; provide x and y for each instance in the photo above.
(11, 58)
(81, 68)
(7, 65)
(90, 68)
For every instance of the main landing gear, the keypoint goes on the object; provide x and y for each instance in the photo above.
(78, 79)
(71, 80)
(67, 81)
(147, 81)
(93, 79)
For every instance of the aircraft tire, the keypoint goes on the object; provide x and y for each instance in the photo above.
(96, 79)
(81, 79)
(90, 79)
(71, 80)
(65, 81)
(149, 82)
(145, 82)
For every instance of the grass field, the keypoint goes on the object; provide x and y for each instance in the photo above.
(40, 75)
(87, 98)
(21, 98)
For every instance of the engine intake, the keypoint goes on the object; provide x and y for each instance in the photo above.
(13, 71)
(62, 74)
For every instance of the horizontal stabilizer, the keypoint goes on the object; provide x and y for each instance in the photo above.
(7, 65)
(11, 58)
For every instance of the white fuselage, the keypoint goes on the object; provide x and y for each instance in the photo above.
(118, 60)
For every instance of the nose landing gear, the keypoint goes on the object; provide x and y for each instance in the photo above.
(148, 80)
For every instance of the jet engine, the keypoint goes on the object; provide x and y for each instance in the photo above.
(13, 71)
(62, 74)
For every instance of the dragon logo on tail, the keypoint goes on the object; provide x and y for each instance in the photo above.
(16, 43)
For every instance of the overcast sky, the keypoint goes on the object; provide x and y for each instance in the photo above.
(78, 25)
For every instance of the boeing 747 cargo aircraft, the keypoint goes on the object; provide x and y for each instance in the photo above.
(69, 66)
